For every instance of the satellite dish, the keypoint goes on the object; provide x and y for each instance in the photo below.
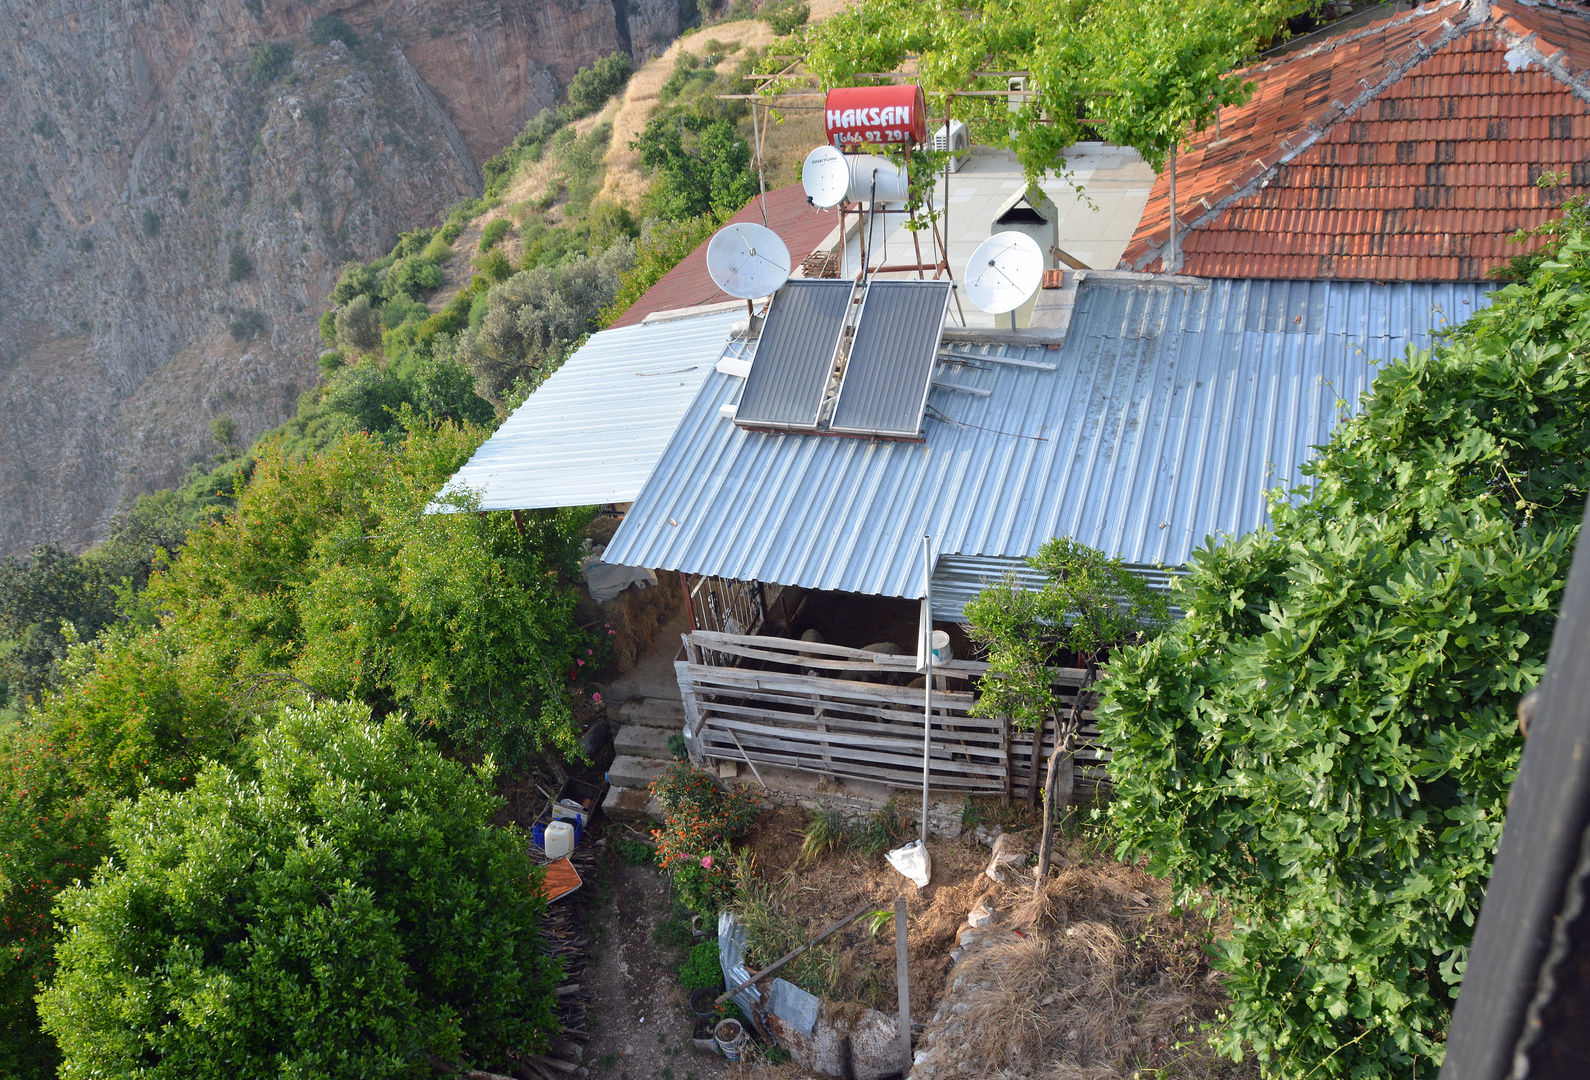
(826, 177)
(1005, 270)
(748, 260)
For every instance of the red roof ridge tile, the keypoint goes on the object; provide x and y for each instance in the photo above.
(1421, 165)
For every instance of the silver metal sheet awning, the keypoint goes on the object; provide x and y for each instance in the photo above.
(592, 432)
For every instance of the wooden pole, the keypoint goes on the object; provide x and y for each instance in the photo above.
(787, 957)
(760, 181)
(902, 979)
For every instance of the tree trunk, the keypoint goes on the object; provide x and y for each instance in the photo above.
(1061, 780)
(1037, 755)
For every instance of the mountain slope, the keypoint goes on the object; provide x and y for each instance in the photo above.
(175, 203)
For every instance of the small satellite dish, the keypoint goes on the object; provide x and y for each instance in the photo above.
(748, 261)
(826, 177)
(1004, 270)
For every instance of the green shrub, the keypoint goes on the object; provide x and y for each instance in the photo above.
(328, 28)
(438, 250)
(358, 327)
(150, 222)
(658, 252)
(785, 18)
(451, 231)
(635, 852)
(238, 264)
(1325, 744)
(702, 969)
(269, 61)
(493, 232)
(350, 912)
(246, 325)
(411, 243)
(411, 278)
(700, 821)
(328, 327)
(356, 279)
(825, 832)
(329, 363)
(591, 87)
(495, 265)
(677, 748)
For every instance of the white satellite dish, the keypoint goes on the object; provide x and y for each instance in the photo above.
(825, 177)
(830, 178)
(748, 261)
(1004, 270)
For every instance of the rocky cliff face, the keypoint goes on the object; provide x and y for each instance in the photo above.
(139, 150)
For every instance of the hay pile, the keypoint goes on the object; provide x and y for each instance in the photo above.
(1096, 978)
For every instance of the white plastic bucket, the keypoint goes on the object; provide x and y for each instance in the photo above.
(730, 1037)
(559, 839)
(942, 653)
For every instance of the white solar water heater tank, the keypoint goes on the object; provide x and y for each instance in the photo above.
(959, 144)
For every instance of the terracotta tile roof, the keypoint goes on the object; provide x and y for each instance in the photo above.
(1405, 151)
(689, 285)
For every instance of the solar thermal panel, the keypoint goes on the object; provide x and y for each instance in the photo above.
(795, 354)
(885, 387)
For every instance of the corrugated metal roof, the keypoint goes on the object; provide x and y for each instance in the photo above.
(1407, 150)
(885, 385)
(1170, 410)
(593, 431)
(957, 579)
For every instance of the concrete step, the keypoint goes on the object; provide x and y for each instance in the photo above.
(653, 712)
(635, 740)
(627, 804)
(634, 772)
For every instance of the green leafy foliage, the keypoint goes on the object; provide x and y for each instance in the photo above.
(591, 87)
(702, 969)
(129, 715)
(330, 571)
(246, 325)
(701, 166)
(1326, 742)
(47, 601)
(537, 317)
(1089, 604)
(493, 232)
(700, 821)
(526, 146)
(787, 17)
(350, 912)
(269, 61)
(328, 28)
(661, 247)
(1134, 74)
(238, 264)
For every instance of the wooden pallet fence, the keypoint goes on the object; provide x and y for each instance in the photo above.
(848, 713)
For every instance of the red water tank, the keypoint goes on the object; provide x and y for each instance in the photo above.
(875, 115)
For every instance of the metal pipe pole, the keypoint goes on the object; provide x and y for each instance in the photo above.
(927, 682)
(760, 182)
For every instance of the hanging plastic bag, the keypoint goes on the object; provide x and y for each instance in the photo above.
(913, 861)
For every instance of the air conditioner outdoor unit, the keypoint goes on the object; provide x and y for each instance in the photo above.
(959, 144)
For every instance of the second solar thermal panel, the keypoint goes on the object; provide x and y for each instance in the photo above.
(795, 355)
(885, 388)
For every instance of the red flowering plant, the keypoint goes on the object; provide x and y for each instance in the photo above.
(700, 821)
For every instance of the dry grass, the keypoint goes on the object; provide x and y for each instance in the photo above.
(787, 143)
(1093, 978)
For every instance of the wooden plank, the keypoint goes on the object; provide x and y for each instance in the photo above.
(733, 678)
(760, 736)
(798, 706)
(687, 692)
(890, 777)
(842, 727)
